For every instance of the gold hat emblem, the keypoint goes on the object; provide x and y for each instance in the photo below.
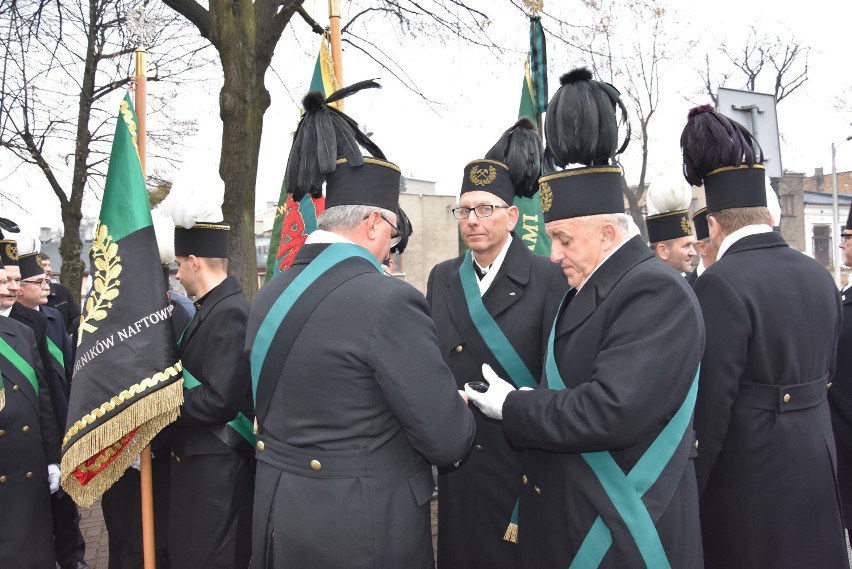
(546, 194)
(685, 226)
(12, 251)
(39, 262)
(482, 176)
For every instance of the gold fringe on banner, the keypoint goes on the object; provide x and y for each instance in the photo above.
(149, 416)
(511, 533)
(2, 397)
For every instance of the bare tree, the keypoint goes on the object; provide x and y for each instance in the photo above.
(783, 60)
(61, 62)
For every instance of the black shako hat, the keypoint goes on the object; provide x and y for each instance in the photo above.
(723, 156)
(848, 225)
(668, 225)
(327, 148)
(699, 220)
(9, 252)
(202, 240)
(488, 176)
(511, 167)
(582, 128)
(30, 265)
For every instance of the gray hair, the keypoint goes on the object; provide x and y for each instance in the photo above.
(623, 223)
(348, 217)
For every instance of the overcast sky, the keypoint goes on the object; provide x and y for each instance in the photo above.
(476, 95)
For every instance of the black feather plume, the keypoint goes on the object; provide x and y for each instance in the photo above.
(520, 149)
(9, 225)
(403, 224)
(323, 136)
(710, 140)
(581, 125)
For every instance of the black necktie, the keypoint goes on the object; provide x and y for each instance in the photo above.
(479, 272)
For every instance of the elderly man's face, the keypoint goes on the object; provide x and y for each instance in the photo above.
(485, 236)
(577, 246)
(13, 286)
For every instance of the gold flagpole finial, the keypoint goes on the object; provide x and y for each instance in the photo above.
(534, 6)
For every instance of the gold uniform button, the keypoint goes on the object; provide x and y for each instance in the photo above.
(29, 474)
(15, 388)
(172, 454)
(477, 447)
(26, 428)
(3, 479)
(696, 443)
(2, 432)
(177, 459)
(537, 490)
(459, 349)
(315, 464)
(260, 446)
(524, 479)
(828, 385)
(786, 398)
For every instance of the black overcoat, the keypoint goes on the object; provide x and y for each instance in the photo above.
(766, 457)
(26, 534)
(476, 499)
(362, 405)
(840, 402)
(627, 347)
(211, 470)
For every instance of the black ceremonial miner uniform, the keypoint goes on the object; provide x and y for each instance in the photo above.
(476, 500)
(348, 427)
(211, 474)
(766, 464)
(26, 533)
(840, 401)
(627, 347)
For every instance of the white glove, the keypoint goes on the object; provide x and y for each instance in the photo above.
(137, 463)
(490, 402)
(53, 477)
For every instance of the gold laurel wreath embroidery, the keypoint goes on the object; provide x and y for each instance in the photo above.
(105, 457)
(483, 176)
(12, 251)
(127, 115)
(105, 287)
(546, 194)
(684, 225)
(122, 398)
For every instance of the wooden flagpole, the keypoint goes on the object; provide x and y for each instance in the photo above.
(149, 550)
(336, 50)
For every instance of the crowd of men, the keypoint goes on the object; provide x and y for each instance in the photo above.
(605, 407)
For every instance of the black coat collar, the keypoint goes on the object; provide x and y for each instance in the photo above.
(227, 288)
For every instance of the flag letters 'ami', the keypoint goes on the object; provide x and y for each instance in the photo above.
(294, 221)
(127, 380)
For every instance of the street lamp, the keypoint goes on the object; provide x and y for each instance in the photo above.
(834, 224)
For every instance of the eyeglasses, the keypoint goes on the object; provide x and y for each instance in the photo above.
(480, 210)
(395, 234)
(37, 282)
(844, 237)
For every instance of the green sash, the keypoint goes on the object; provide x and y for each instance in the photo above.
(330, 256)
(492, 335)
(57, 354)
(240, 424)
(20, 363)
(626, 491)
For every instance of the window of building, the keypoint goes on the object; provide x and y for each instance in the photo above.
(788, 207)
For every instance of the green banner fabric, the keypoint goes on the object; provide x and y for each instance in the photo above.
(126, 373)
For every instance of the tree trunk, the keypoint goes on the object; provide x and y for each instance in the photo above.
(71, 246)
(242, 103)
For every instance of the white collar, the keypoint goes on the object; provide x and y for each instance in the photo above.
(739, 234)
(492, 270)
(699, 268)
(323, 236)
(6, 311)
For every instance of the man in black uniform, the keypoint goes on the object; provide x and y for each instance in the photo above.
(62, 299)
(69, 543)
(353, 398)
(608, 480)
(212, 467)
(703, 245)
(766, 458)
(670, 234)
(495, 305)
(29, 442)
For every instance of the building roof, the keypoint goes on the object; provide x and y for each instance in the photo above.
(823, 198)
